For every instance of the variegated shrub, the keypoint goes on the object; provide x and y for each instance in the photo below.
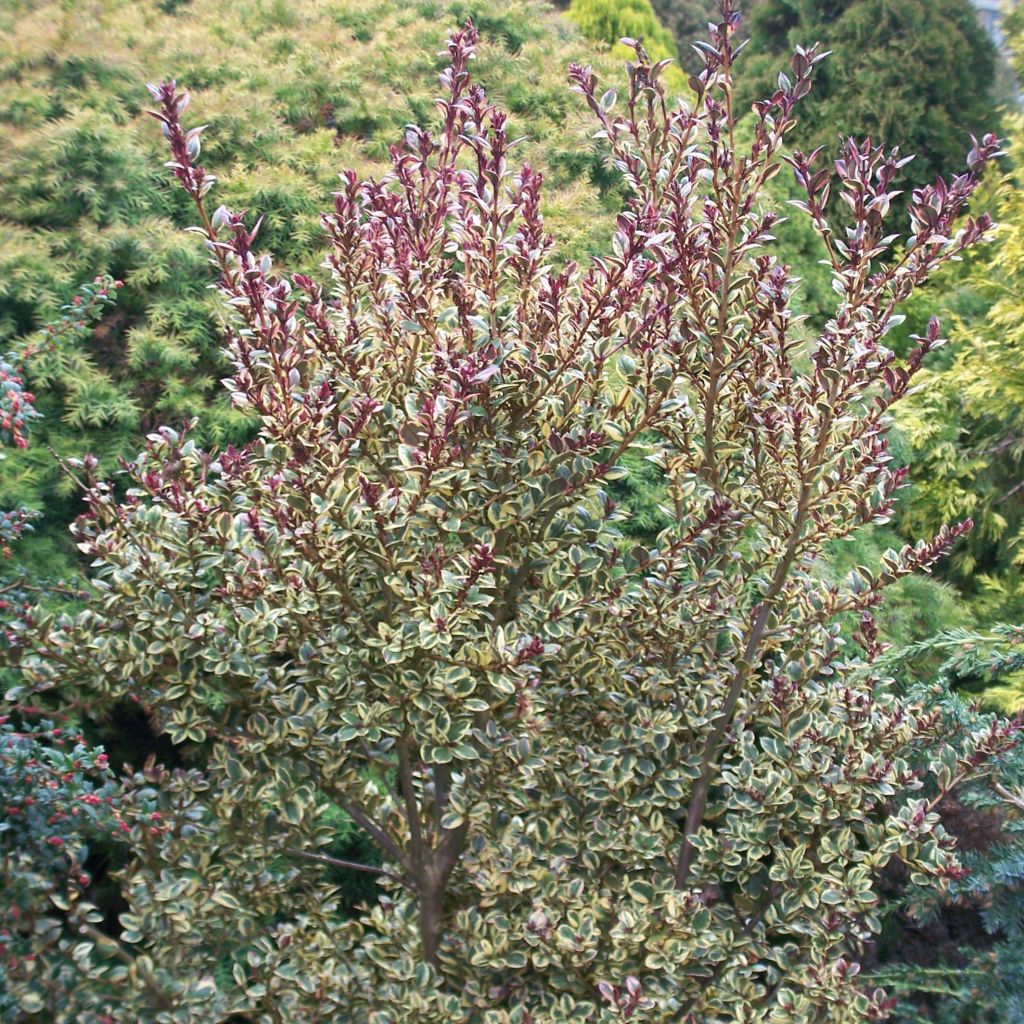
(605, 784)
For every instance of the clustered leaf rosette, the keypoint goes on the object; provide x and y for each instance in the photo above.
(13, 524)
(605, 783)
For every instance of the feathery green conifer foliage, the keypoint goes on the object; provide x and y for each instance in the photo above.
(610, 21)
(960, 959)
(292, 94)
(607, 782)
(965, 428)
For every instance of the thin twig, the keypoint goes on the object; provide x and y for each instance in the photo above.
(351, 865)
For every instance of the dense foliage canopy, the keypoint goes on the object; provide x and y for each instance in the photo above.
(291, 93)
(610, 21)
(515, 639)
(604, 782)
(918, 74)
(966, 429)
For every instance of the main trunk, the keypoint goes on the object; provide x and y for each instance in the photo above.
(431, 910)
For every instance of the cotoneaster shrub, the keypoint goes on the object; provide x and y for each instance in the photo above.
(606, 781)
(56, 793)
